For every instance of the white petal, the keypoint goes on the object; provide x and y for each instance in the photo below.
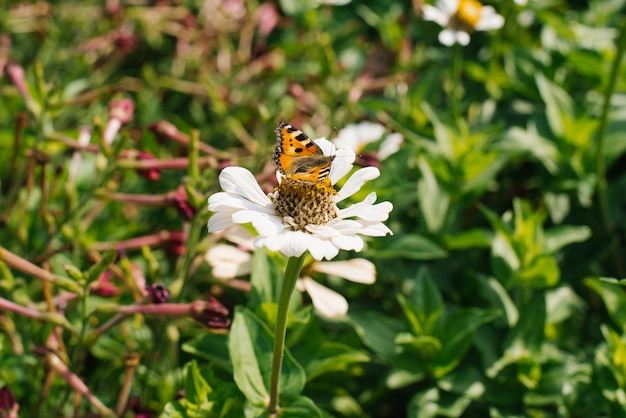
(342, 164)
(357, 270)
(374, 229)
(328, 148)
(220, 221)
(290, 243)
(326, 301)
(367, 211)
(448, 6)
(231, 202)
(462, 38)
(240, 236)
(447, 37)
(390, 145)
(356, 135)
(348, 242)
(323, 249)
(356, 180)
(433, 14)
(489, 19)
(264, 224)
(238, 180)
(228, 261)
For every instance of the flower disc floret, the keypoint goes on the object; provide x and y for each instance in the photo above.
(304, 203)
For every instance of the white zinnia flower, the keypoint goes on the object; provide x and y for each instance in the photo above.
(357, 135)
(459, 17)
(243, 201)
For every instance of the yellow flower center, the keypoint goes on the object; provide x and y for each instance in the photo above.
(467, 15)
(304, 203)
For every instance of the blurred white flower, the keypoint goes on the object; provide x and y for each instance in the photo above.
(317, 3)
(461, 17)
(357, 135)
(228, 262)
(326, 301)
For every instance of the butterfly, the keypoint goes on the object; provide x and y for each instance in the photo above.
(298, 157)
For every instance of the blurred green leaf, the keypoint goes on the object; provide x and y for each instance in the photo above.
(264, 281)
(410, 246)
(301, 407)
(332, 357)
(210, 346)
(613, 297)
(473, 238)
(377, 331)
(423, 307)
(559, 105)
(433, 200)
(457, 335)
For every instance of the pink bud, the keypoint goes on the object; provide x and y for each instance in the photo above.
(181, 203)
(16, 74)
(121, 109)
(8, 405)
(152, 174)
(211, 313)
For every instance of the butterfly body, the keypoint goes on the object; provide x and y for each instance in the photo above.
(298, 157)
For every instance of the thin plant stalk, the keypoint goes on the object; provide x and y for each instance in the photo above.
(292, 272)
(603, 197)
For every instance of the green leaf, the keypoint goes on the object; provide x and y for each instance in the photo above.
(413, 246)
(377, 331)
(424, 404)
(519, 141)
(196, 388)
(543, 272)
(205, 396)
(558, 206)
(457, 335)
(443, 134)
(492, 290)
(332, 356)
(560, 236)
(210, 346)
(250, 345)
(559, 105)
(613, 297)
(263, 279)
(472, 238)
(528, 334)
(424, 304)
(467, 381)
(434, 201)
(406, 369)
(562, 303)
(299, 408)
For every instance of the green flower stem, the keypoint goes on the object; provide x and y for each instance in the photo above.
(603, 198)
(456, 89)
(294, 266)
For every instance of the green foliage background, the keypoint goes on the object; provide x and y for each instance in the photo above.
(499, 293)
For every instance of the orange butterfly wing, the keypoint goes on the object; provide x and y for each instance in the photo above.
(298, 156)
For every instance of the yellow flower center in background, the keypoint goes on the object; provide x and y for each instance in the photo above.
(302, 203)
(467, 15)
